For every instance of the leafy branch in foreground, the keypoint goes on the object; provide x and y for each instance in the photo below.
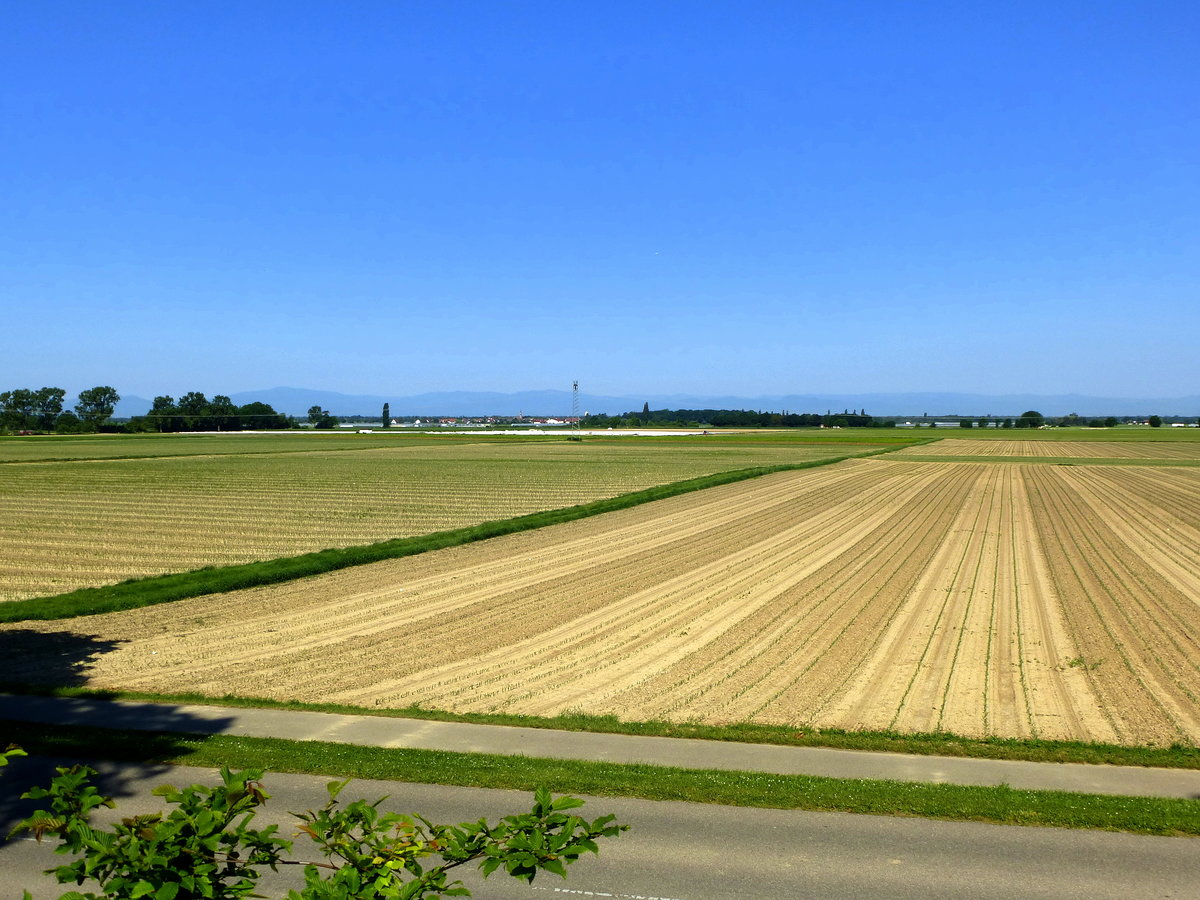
(371, 852)
(207, 847)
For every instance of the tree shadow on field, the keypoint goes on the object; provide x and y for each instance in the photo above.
(124, 741)
(48, 658)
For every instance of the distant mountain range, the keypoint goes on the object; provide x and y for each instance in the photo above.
(296, 401)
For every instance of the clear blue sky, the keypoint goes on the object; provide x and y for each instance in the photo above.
(740, 198)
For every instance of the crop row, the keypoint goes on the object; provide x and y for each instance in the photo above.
(75, 524)
(983, 599)
(1058, 449)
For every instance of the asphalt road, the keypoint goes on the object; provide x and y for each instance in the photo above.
(381, 731)
(683, 851)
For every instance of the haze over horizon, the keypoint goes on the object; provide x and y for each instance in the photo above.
(718, 199)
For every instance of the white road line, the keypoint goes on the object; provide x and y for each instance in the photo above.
(579, 893)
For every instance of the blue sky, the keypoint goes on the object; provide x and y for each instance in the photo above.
(739, 198)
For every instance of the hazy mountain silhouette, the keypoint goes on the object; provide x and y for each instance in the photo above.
(297, 401)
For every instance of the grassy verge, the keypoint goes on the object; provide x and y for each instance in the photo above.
(985, 804)
(940, 743)
(141, 592)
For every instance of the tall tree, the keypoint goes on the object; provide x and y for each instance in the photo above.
(96, 405)
(17, 409)
(165, 415)
(223, 414)
(193, 406)
(48, 403)
(387, 415)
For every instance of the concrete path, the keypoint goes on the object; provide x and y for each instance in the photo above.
(379, 731)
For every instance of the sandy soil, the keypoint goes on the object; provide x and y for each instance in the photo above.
(68, 525)
(1017, 600)
(1076, 449)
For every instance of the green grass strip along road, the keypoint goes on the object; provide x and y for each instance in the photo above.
(140, 592)
(940, 743)
(1000, 805)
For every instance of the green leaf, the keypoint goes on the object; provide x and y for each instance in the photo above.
(490, 865)
(335, 788)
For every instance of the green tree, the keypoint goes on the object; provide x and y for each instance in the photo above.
(206, 845)
(68, 423)
(321, 418)
(258, 416)
(965, 423)
(165, 414)
(1110, 422)
(48, 403)
(1031, 419)
(96, 405)
(223, 414)
(17, 409)
(1155, 422)
(387, 416)
(193, 406)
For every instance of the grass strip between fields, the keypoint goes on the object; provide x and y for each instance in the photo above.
(939, 743)
(1000, 804)
(139, 592)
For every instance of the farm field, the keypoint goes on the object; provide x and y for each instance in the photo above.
(45, 448)
(994, 447)
(1118, 434)
(217, 500)
(1023, 600)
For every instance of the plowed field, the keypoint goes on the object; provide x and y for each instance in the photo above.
(81, 523)
(983, 599)
(1166, 450)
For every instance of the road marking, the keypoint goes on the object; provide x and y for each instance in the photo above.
(580, 893)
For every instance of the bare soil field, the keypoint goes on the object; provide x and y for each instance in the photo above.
(983, 599)
(1165, 450)
(79, 523)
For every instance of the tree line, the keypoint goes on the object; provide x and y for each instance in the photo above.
(26, 410)
(195, 412)
(742, 418)
(732, 418)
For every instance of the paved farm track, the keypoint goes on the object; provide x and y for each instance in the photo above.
(1022, 600)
